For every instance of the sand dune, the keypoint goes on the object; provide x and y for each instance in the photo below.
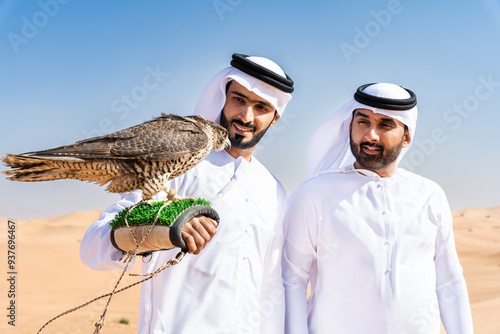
(51, 279)
(477, 236)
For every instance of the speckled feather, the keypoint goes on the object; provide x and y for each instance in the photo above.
(143, 157)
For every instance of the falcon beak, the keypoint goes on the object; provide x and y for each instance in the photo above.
(227, 144)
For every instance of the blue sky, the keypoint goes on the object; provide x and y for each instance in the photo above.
(74, 69)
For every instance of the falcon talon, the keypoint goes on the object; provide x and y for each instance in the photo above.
(171, 193)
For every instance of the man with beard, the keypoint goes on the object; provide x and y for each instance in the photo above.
(374, 241)
(234, 285)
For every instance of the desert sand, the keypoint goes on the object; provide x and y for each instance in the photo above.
(50, 279)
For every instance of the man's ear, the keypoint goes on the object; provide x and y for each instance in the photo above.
(352, 118)
(275, 119)
(406, 139)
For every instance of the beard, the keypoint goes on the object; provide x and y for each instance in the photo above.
(237, 140)
(379, 161)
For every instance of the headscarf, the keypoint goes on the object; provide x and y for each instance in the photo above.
(213, 98)
(329, 146)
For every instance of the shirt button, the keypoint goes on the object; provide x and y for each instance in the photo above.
(379, 185)
(383, 213)
(386, 243)
(387, 271)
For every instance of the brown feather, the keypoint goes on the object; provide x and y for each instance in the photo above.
(143, 157)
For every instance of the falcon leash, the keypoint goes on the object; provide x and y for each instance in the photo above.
(100, 324)
(127, 258)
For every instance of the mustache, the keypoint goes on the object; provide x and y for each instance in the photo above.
(380, 147)
(248, 125)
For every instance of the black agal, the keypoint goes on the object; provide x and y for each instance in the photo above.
(241, 62)
(384, 102)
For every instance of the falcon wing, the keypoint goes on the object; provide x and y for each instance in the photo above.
(163, 138)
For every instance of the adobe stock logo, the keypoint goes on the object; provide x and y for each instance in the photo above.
(129, 101)
(453, 118)
(223, 6)
(373, 28)
(31, 27)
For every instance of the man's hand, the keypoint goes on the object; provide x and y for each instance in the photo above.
(198, 232)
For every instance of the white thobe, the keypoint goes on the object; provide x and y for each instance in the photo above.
(378, 253)
(234, 285)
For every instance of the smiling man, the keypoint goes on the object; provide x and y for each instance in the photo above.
(375, 242)
(247, 117)
(234, 285)
(377, 141)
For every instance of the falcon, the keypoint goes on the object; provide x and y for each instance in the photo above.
(143, 157)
